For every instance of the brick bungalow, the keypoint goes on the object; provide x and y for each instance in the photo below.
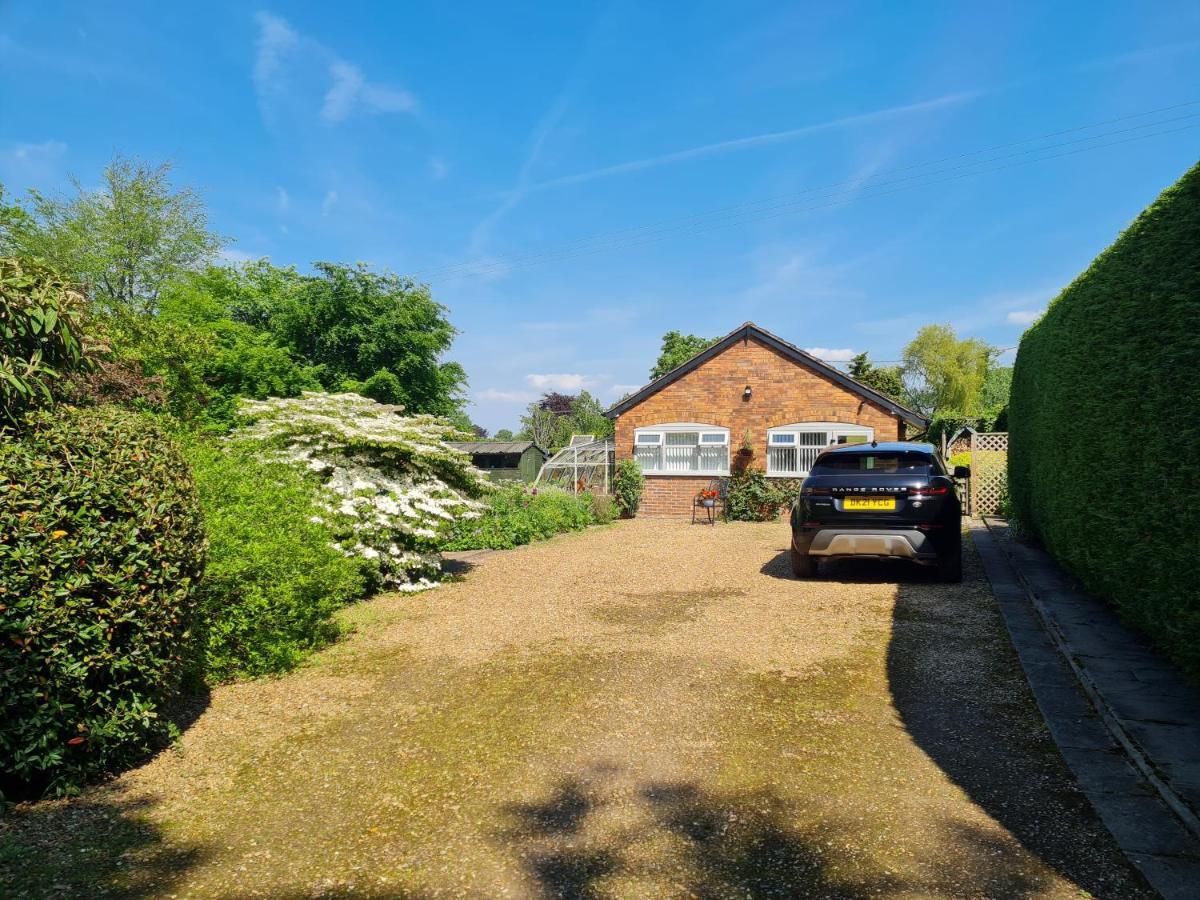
(751, 399)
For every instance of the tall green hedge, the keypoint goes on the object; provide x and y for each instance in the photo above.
(1104, 423)
(101, 550)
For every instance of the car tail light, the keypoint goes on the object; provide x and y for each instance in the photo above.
(819, 491)
(923, 493)
(929, 526)
(810, 524)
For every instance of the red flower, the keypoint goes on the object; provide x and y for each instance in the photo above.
(76, 741)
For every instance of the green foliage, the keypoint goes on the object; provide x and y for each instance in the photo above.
(383, 387)
(551, 421)
(604, 508)
(352, 322)
(755, 498)
(959, 459)
(274, 578)
(945, 373)
(1104, 440)
(888, 380)
(125, 240)
(504, 434)
(41, 335)
(677, 349)
(628, 484)
(101, 549)
(516, 514)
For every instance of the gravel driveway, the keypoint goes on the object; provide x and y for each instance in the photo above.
(647, 710)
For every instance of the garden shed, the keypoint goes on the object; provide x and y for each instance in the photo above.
(504, 460)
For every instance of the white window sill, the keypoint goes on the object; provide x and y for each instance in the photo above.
(724, 474)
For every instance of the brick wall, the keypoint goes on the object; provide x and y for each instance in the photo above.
(782, 392)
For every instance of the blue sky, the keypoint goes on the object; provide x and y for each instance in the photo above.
(575, 179)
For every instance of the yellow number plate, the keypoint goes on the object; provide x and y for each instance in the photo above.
(869, 503)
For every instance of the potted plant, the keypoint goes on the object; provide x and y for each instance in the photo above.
(708, 497)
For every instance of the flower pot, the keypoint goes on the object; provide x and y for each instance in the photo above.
(708, 502)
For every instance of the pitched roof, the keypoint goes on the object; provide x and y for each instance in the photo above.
(492, 446)
(792, 352)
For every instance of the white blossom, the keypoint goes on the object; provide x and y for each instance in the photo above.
(390, 484)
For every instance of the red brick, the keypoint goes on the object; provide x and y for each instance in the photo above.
(782, 391)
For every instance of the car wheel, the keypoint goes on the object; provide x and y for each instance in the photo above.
(803, 565)
(949, 562)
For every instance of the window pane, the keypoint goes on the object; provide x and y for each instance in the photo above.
(880, 463)
(650, 458)
(783, 437)
(648, 438)
(712, 437)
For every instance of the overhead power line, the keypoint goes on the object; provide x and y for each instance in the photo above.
(791, 204)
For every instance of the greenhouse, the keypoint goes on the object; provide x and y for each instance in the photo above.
(585, 464)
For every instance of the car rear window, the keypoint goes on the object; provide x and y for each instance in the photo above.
(872, 464)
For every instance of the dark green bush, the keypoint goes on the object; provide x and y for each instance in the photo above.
(41, 334)
(604, 508)
(755, 498)
(628, 484)
(1104, 437)
(517, 514)
(274, 577)
(101, 549)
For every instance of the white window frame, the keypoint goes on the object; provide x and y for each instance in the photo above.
(706, 436)
(832, 430)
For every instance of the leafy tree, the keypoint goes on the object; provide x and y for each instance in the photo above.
(539, 425)
(124, 241)
(504, 434)
(888, 380)
(993, 396)
(587, 417)
(559, 404)
(942, 372)
(351, 323)
(677, 349)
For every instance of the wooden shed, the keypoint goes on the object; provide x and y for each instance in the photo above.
(505, 460)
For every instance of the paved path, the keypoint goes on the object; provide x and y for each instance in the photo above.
(650, 710)
(1126, 721)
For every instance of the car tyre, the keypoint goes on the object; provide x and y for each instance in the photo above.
(803, 565)
(949, 562)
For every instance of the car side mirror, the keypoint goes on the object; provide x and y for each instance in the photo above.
(962, 471)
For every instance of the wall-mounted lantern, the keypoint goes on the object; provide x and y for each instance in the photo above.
(746, 393)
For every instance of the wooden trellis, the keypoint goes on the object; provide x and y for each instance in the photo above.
(989, 471)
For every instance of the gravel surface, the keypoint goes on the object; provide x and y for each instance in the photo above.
(647, 710)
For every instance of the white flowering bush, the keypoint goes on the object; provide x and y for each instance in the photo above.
(391, 487)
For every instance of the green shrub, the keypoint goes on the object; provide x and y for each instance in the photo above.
(755, 498)
(1104, 439)
(101, 549)
(274, 577)
(628, 484)
(41, 334)
(604, 508)
(517, 514)
(959, 459)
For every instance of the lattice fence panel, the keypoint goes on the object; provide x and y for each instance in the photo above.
(989, 471)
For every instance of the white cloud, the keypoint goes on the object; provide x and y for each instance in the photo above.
(562, 381)
(237, 257)
(496, 396)
(282, 49)
(283, 201)
(829, 354)
(438, 168)
(1023, 316)
(620, 390)
(276, 40)
(757, 140)
(329, 202)
(47, 151)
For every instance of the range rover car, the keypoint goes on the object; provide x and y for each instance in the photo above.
(893, 500)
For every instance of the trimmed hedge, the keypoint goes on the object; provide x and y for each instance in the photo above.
(1104, 455)
(101, 548)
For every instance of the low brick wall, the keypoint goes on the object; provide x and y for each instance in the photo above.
(671, 495)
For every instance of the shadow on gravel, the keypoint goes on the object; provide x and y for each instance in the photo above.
(851, 571)
(85, 848)
(959, 688)
(729, 846)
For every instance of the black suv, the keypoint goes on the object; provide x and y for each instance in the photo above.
(891, 499)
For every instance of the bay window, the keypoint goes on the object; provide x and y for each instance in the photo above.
(682, 449)
(792, 449)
